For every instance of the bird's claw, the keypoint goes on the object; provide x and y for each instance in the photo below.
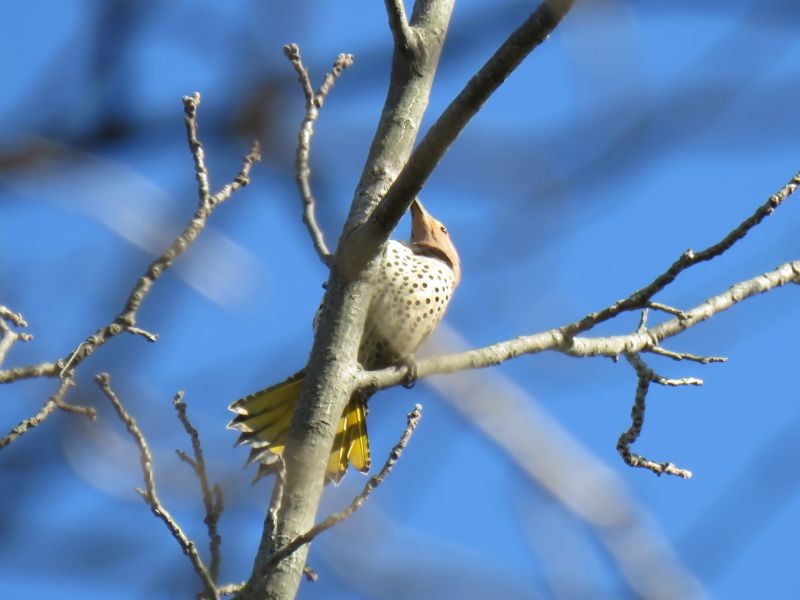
(410, 379)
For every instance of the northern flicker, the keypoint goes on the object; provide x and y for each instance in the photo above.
(414, 283)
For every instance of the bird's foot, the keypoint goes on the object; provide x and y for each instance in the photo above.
(410, 379)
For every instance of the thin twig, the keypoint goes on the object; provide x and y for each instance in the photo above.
(373, 482)
(302, 165)
(275, 504)
(687, 356)
(149, 493)
(642, 326)
(27, 424)
(150, 337)
(642, 297)
(645, 375)
(87, 411)
(342, 62)
(9, 315)
(398, 23)
(125, 321)
(212, 496)
(231, 588)
(8, 337)
(242, 178)
(676, 312)
(190, 104)
(292, 52)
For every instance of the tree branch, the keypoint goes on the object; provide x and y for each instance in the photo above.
(646, 375)
(613, 346)
(8, 337)
(373, 482)
(17, 319)
(149, 493)
(688, 259)
(303, 171)
(213, 500)
(535, 30)
(27, 424)
(687, 356)
(398, 23)
(125, 321)
(331, 372)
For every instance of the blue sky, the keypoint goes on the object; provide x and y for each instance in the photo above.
(635, 132)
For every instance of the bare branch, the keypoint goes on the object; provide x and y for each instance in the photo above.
(342, 62)
(190, 104)
(8, 337)
(150, 337)
(213, 501)
(687, 356)
(535, 30)
(551, 458)
(645, 375)
(688, 259)
(24, 426)
(125, 321)
(667, 309)
(373, 482)
(613, 346)
(398, 23)
(149, 493)
(231, 588)
(15, 318)
(642, 326)
(87, 411)
(242, 178)
(303, 171)
(292, 52)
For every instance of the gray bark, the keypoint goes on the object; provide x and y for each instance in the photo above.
(391, 178)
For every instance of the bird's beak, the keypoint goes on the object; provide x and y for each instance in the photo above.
(418, 212)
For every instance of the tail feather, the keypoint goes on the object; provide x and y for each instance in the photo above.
(357, 443)
(337, 462)
(264, 418)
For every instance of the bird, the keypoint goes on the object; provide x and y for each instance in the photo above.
(414, 284)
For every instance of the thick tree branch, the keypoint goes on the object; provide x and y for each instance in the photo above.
(332, 373)
(332, 370)
(373, 482)
(613, 346)
(125, 321)
(398, 24)
(535, 30)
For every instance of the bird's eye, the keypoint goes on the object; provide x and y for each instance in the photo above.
(444, 230)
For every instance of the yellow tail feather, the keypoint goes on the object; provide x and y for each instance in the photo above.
(263, 418)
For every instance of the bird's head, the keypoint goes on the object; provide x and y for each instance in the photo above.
(430, 235)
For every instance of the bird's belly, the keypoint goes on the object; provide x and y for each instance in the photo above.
(411, 296)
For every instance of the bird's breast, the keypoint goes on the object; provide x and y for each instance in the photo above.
(412, 293)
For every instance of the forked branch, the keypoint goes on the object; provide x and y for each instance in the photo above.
(314, 102)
